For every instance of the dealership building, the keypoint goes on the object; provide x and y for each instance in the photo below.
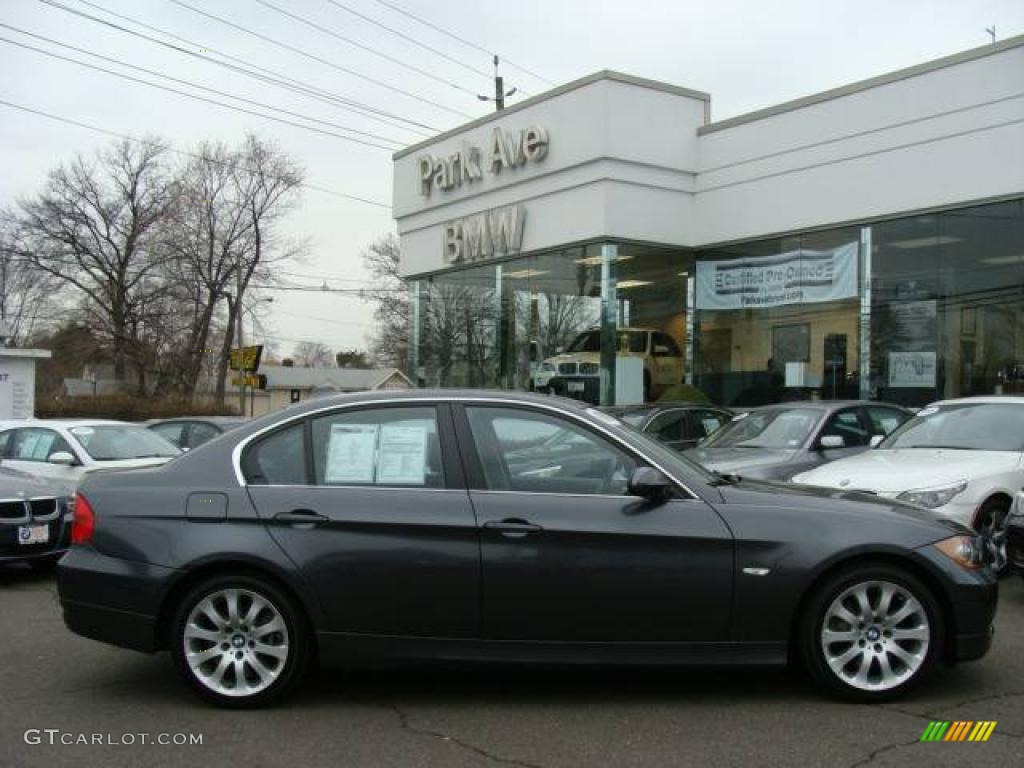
(608, 240)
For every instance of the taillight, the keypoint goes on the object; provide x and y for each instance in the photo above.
(83, 523)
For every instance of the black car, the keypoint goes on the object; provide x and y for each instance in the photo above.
(776, 442)
(679, 425)
(188, 432)
(35, 520)
(410, 525)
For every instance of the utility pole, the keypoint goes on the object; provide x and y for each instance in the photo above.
(499, 89)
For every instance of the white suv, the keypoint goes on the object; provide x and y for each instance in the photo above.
(580, 364)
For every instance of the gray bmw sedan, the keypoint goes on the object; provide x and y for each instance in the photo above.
(434, 525)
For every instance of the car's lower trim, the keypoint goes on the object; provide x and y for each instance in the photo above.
(344, 648)
(109, 625)
(972, 647)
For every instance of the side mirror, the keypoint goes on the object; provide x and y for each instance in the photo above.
(831, 441)
(876, 439)
(650, 484)
(62, 458)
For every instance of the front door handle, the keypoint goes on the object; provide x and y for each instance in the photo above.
(513, 527)
(301, 517)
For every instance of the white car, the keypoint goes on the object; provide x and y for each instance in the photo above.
(66, 450)
(963, 459)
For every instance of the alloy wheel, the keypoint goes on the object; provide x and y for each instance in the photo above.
(993, 530)
(236, 642)
(875, 635)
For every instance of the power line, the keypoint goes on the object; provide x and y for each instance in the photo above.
(462, 40)
(203, 87)
(270, 76)
(350, 41)
(194, 96)
(184, 153)
(323, 61)
(409, 38)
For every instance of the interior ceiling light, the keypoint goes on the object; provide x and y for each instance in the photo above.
(593, 261)
(1015, 259)
(926, 242)
(525, 273)
(633, 283)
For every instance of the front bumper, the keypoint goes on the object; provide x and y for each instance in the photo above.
(971, 598)
(112, 600)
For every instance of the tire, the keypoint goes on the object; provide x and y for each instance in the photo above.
(908, 645)
(271, 655)
(990, 522)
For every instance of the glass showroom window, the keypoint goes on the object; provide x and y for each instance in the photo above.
(947, 314)
(779, 319)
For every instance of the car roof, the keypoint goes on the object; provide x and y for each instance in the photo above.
(823, 405)
(65, 423)
(982, 400)
(210, 419)
(661, 405)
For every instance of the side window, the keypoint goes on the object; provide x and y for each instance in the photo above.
(668, 426)
(380, 447)
(847, 425)
(708, 422)
(665, 346)
(536, 453)
(5, 440)
(200, 433)
(171, 432)
(882, 421)
(278, 459)
(36, 444)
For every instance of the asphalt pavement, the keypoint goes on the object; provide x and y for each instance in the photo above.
(55, 686)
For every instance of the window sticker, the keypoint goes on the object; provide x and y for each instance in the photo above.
(403, 456)
(351, 453)
(42, 446)
(82, 431)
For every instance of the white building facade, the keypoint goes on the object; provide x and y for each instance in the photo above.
(607, 241)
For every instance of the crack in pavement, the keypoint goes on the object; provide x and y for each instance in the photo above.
(938, 714)
(406, 724)
(882, 750)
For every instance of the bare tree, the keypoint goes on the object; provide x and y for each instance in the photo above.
(389, 344)
(94, 226)
(313, 354)
(28, 295)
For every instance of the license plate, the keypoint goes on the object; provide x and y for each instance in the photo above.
(575, 386)
(33, 534)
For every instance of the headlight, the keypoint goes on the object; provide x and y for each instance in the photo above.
(933, 498)
(962, 550)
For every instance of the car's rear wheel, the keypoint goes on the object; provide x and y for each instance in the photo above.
(871, 633)
(991, 522)
(239, 641)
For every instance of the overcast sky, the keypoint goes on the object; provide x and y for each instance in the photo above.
(746, 53)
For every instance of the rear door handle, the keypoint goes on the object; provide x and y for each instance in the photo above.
(303, 517)
(514, 528)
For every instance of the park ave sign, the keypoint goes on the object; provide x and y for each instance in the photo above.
(507, 149)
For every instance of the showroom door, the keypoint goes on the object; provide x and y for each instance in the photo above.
(568, 555)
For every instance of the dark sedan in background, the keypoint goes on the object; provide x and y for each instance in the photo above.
(776, 442)
(679, 425)
(188, 432)
(414, 525)
(35, 520)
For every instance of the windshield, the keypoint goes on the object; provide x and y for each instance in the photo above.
(113, 442)
(964, 426)
(786, 428)
(626, 341)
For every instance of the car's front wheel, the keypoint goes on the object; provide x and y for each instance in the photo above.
(991, 522)
(871, 632)
(239, 641)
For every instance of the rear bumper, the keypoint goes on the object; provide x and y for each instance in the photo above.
(112, 600)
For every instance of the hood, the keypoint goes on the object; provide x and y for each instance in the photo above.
(908, 469)
(846, 504)
(13, 482)
(575, 357)
(738, 460)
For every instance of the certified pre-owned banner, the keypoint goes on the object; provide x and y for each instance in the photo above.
(797, 277)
